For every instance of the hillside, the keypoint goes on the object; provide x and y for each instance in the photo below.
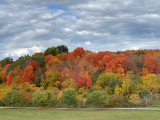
(128, 77)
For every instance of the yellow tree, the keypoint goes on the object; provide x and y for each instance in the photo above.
(151, 83)
(124, 90)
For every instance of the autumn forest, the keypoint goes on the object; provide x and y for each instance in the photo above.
(81, 78)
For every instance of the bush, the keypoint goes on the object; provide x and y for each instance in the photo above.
(1, 103)
(27, 99)
(41, 98)
(68, 97)
(98, 98)
(12, 98)
(3, 92)
(118, 101)
(53, 101)
(81, 90)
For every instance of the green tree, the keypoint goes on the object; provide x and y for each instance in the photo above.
(51, 51)
(12, 98)
(39, 59)
(98, 98)
(62, 49)
(108, 79)
(38, 78)
(41, 98)
(113, 82)
(6, 61)
(68, 97)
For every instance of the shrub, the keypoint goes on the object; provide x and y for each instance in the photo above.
(118, 101)
(27, 99)
(98, 98)
(135, 99)
(68, 97)
(53, 101)
(12, 98)
(41, 98)
(3, 92)
(1, 103)
(81, 90)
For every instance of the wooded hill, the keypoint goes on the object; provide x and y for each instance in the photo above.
(131, 75)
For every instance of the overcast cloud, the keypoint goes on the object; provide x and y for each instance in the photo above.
(29, 26)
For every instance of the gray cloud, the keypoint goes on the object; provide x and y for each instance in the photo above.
(29, 26)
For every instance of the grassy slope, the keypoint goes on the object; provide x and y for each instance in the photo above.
(28, 114)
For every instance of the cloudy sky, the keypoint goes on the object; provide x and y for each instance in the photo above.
(29, 26)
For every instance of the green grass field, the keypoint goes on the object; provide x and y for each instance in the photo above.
(30, 114)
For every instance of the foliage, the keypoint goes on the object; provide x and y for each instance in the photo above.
(53, 78)
(62, 49)
(28, 75)
(105, 79)
(117, 101)
(41, 98)
(40, 59)
(6, 61)
(68, 97)
(38, 77)
(26, 99)
(12, 98)
(0, 79)
(3, 76)
(89, 81)
(98, 98)
(51, 51)
(151, 83)
(81, 90)
(135, 99)
(3, 92)
(71, 83)
(38, 54)
(125, 89)
(9, 78)
(124, 75)
(26, 87)
(35, 65)
(17, 79)
(95, 75)
(15, 64)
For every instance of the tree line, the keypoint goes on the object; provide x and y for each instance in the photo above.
(83, 78)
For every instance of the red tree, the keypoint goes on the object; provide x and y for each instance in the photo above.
(38, 54)
(35, 65)
(76, 54)
(7, 66)
(48, 58)
(9, 78)
(63, 57)
(3, 76)
(28, 75)
(89, 81)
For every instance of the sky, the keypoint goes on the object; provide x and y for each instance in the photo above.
(29, 26)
